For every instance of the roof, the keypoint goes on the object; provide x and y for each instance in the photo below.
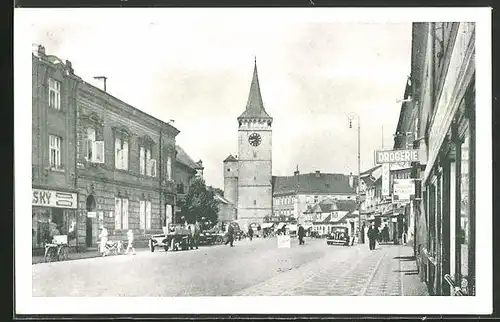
(222, 199)
(313, 183)
(230, 158)
(255, 105)
(369, 171)
(184, 158)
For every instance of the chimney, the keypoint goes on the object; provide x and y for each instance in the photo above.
(317, 174)
(101, 82)
(296, 172)
(351, 180)
(38, 50)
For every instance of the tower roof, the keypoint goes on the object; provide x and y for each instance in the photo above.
(230, 158)
(255, 105)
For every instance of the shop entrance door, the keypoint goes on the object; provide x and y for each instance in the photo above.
(91, 206)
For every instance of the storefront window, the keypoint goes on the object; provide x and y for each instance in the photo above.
(464, 236)
(47, 222)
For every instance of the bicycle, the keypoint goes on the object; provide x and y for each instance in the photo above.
(56, 251)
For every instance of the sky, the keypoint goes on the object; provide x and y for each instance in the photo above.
(198, 72)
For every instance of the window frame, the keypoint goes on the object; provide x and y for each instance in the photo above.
(120, 162)
(54, 86)
(57, 164)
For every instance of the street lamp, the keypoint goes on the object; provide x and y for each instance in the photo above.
(351, 117)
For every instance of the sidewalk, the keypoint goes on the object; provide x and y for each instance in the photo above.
(81, 255)
(390, 270)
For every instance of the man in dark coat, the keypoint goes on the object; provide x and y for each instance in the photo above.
(230, 235)
(372, 236)
(301, 233)
(250, 233)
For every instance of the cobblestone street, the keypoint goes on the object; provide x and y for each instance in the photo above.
(254, 268)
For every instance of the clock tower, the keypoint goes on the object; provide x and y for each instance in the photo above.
(254, 200)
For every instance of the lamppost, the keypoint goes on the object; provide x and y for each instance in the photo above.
(351, 117)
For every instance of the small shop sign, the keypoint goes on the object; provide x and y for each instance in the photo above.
(51, 198)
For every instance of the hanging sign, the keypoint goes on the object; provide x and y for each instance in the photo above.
(386, 172)
(396, 156)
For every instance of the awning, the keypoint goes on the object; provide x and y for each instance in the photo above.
(309, 226)
(292, 227)
(280, 225)
(267, 225)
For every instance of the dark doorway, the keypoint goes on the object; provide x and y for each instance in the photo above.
(91, 206)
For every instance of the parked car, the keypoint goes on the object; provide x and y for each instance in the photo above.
(158, 240)
(339, 236)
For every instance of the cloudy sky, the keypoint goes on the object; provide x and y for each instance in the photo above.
(198, 72)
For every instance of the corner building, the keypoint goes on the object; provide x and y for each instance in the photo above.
(250, 187)
(54, 195)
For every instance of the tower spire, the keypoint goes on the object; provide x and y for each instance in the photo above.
(255, 105)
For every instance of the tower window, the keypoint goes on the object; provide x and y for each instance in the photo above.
(255, 202)
(254, 154)
(254, 178)
(228, 170)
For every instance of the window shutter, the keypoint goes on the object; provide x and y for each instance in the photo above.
(125, 213)
(86, 149)
(125, 155)
(148, 214)
(152, 167)
(99, 151)
(142, 160)
(118, 213)
(142, 214)
(117, 153)
(94, 151)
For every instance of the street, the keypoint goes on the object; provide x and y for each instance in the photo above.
(248, 269)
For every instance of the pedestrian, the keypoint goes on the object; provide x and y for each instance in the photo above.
(301, 233)
(230, 235)
(196, 234)
(130, 240)
(250, 233)
(104, 239)
(372, 236)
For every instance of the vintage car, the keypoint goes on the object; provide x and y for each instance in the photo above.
(208, 237)
(158, 240)
(339, 235)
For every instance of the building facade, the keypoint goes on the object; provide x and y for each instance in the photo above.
(443, 96)
(125, 168)
(186, 171)
(294, 195)
(248, 181)
(54, 193)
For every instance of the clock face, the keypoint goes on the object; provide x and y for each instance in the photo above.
(254, 139)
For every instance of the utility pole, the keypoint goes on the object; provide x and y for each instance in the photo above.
(358, 188)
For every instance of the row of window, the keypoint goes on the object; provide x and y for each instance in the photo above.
(287, 200)
(94, 152)
(122, 214)
(283, 213)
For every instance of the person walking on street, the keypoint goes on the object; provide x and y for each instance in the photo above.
(301, 233)
(104, 239)
(372, 236)
(130, 240)
(196, 234)
(250, 233)
(230, 235)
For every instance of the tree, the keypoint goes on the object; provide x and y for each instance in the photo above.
(218, 191)
(200, 202)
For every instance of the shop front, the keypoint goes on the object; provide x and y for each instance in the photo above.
(53, 213)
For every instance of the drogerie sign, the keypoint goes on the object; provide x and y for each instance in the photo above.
(396, 156)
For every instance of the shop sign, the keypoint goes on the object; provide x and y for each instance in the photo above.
(91, 214)
(386, 172)
(51, 198)
(403, 187)
(396, 156)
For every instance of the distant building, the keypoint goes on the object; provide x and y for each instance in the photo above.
(227, 210)
(326, 214)
(294, 195)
